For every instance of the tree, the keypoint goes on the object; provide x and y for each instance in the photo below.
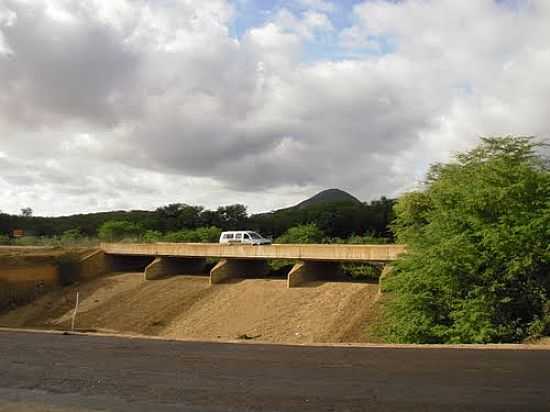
(478, 262)
(26, 212)
(302, 234)
(114, 230)
(232, 217)
(71, 235)
(151, 236)
(190, 216)
(209, 234)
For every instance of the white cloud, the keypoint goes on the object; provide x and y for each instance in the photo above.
(321, 5)
(138, 103)
(306, 26)
(7, 19)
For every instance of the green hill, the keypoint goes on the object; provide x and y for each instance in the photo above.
(328, 196)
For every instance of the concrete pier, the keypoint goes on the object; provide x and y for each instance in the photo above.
(237, 268)
(169, 266)
(308, 271)
(95, 264)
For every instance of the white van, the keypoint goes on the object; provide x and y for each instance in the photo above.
(244, 237)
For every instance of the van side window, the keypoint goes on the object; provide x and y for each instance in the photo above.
(246, 236)
(238, 235)
(228, 236)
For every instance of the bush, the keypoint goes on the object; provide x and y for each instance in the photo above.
(541, 326)
(71, 236)
(367, 239)
(362, 271)
(116, 230)
(199, 235)
(302, 234)
(152, 236)
(208, 234)
(478, 262)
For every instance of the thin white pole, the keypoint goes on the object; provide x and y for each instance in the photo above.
(75, 312)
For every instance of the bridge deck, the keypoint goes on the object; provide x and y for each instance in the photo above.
(314, 252)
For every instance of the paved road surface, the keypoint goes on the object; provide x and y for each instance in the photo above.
(65, 373)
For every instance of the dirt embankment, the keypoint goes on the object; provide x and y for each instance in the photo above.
(28, 272)
(25, 276)
(186, 307)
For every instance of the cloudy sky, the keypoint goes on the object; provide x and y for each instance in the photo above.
(133, 104)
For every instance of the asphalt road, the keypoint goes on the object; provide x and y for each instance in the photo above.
(65, 373)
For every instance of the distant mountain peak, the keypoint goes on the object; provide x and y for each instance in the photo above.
(328, 196)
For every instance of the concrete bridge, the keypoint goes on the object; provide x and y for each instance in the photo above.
(311, 261)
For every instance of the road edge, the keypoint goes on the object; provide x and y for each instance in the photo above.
(492, 346)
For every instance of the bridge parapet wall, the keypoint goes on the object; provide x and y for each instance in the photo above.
(314, 252)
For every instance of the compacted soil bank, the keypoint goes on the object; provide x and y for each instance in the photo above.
(187, 307)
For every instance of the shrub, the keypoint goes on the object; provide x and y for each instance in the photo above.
(209, 234)
(199, 235)
(362, 271)
(115, 230)
(71, 236)
(367, 239)
(478, 262)
(309, 233)
(152, 236)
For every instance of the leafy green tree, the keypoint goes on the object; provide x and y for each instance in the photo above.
(114, 230)
(209, 234)
(178, 216)
(478, 262)
(179, 236)
(232, 217)
(302, 234)
(71, 235)
(335, 219)
(199, 235)
(151, 236)
(366, 239)
(210, 218)
(190, 216)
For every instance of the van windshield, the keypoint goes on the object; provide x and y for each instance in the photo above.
(254, 235)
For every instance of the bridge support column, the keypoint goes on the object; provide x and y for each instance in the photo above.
(99, 263)
(95, 264)
(303, 272)
(237, 268)
(167, 266)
